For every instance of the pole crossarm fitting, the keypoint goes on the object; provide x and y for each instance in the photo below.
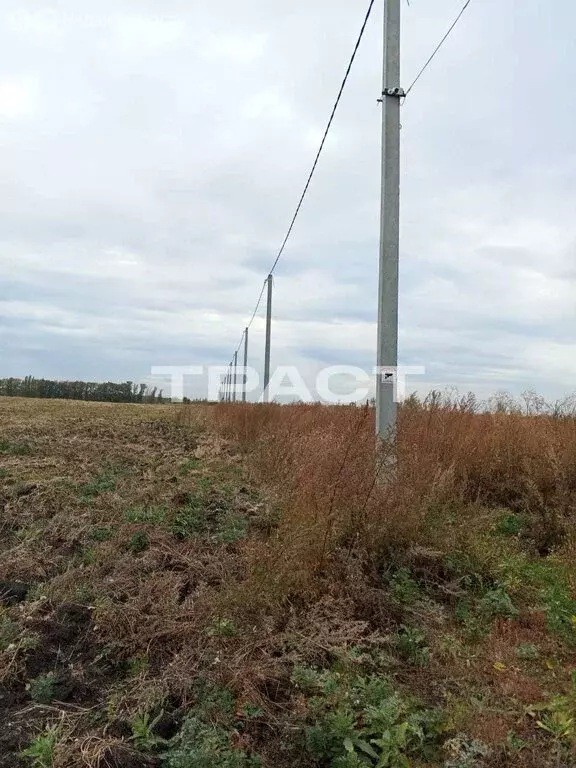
(395, 93)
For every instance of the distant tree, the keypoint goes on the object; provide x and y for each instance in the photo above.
(113, 392)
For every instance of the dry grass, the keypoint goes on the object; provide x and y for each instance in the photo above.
(231, 544)
(335, 490)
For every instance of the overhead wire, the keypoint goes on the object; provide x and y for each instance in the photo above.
(325, 136)
(327, 131)
(314, 165)
(439, 46)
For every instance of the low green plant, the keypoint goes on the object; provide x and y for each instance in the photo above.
(464, 752)
(527, 651)
(361, 721)
(9, 630)
(214, 704)
(477, 611)
(113, 706)
(558, 721)
(558, 716)
(102, 534)
(191, 521)
(88, 556)
(139, 543)
(307, 678)
(387, 737)
(251, 712)
(4, 473)
(560, 611)
(469, 570)
(152, 515)
(404, 588)
(138, 665)
(232, 528)
(473, 624)
(203, 745)
(529, 576)
(497, 602)
(222, 628)
(411, 643)
(511, 525)
(205, 740)
(43, 689)
(204, 484)
(190, 465)
(84, 593)
(102, 483)
(40, 752)
(515, 743)
(546, 582)
(208, 513)
(9, 448)
(143, 734)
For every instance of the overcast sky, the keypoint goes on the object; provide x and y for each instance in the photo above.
(152, 155)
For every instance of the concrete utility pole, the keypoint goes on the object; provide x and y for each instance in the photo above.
(245, 376)
(234, 378)
(387, 354)
(268, 332)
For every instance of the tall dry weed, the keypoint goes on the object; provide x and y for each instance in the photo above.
(337, 492)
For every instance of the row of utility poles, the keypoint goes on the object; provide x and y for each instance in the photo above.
(387, 342)
(231, 380)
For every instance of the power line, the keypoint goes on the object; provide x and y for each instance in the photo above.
(240, 342)
(326, 132)
(257, 307)
(323, 142)
(440, 44)
(314, 166)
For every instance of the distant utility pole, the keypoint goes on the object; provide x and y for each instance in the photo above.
(387, 353)
(234, 379)
(245, 376)
(268, 332)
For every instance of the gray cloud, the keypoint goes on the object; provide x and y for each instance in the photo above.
(152, 161)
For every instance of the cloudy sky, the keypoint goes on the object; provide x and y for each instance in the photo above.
(152, 155)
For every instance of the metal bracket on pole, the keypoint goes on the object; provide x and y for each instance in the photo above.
(394, 93)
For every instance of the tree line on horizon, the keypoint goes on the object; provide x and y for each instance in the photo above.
(105, 392)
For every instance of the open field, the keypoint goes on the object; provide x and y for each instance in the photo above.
(231, 587)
